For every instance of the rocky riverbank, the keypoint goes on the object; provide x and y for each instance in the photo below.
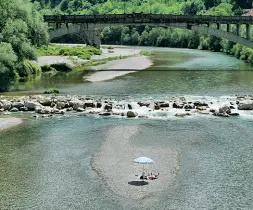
(51, 105)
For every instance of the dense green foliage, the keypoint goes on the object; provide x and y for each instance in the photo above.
(21, 28)
(52, 91)
(129, 6)
(80, 52)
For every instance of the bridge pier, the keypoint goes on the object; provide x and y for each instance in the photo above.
(92, 37)
(218, 25)
(238, 29)
(228, 27)
(248, 32)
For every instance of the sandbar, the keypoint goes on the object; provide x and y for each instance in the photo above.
(114, 164)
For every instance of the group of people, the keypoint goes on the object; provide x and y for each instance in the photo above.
(149, 176)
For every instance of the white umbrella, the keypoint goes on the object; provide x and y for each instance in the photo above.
(143, 161)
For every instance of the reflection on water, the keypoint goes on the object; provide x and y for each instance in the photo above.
(174, 71)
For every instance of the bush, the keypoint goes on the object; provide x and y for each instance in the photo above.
(52, 91)
(26, 68)
(145, 53)
(47, 68)
(79, 51)
(63, 67)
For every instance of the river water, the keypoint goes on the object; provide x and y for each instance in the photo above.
(46, 163)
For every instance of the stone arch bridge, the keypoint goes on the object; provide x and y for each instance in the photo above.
(89, 26)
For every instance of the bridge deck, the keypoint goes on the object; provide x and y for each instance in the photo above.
(147, 18)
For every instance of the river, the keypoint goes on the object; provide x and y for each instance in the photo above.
(46, 163)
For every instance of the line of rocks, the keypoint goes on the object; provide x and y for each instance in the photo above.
(54, 105)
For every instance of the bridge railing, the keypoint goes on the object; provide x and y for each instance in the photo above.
(147, 18)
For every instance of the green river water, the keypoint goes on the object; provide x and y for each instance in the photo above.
(45, 163)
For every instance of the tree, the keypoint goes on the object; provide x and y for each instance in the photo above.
(21, 28)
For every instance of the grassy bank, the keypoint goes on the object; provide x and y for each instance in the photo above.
(61, 50)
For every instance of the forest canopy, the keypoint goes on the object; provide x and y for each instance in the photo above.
(129, 6)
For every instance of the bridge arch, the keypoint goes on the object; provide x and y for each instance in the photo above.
(90, 25)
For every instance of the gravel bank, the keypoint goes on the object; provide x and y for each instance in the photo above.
(114, 163)
(119, 68)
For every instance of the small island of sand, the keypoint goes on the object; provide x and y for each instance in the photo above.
(114, 164)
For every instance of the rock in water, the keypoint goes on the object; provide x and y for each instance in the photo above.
(108, 107)
(225, 109)
(31, 105)
(14, 109)
(17, 104)
(45, 102)
(131, 114)
(60, 105)
(6, 105)
(177, 105)
(129, 106)
(245, 106)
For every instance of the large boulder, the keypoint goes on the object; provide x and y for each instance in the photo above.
(131, 114)
(245, 106)
(108, 107)
(164, 105)
(189, 106)
(225, 109)
(143, 104)
(45, 102)
(31, 105)
(17, 104)
(6, 105)
(200, 103)
(177, 105)
(14, 109)
(129, 106)
(99, 104)
(60, 104)
(79, 109)
(42, 110)
(89, 104)
(77, 104)
(156, 107)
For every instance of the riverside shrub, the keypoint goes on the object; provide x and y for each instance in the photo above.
(79, 51)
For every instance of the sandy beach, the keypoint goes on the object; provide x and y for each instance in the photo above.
(114, 164)
(118, 67)
(106, 53)
(137, 62)
(9, 122)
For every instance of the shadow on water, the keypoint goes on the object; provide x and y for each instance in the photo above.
(138, 183)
